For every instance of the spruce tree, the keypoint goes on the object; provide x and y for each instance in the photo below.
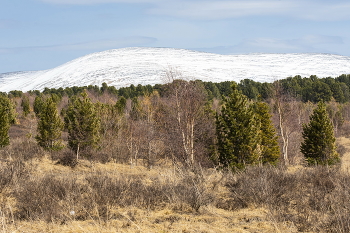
(10, 109)
(270, 151)
(25, 106)
(120, 105)
(7, 117)
(318, 146)
(83, 124)
(4, 127)
(38, 105)
(50, 126)
(237, 130)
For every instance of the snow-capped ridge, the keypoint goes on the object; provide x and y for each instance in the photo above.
(123, 67)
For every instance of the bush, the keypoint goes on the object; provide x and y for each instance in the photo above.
(314, 199)
(68, 159)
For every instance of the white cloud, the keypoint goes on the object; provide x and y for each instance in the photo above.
(328, 11)
(224, 9)
(319, 10)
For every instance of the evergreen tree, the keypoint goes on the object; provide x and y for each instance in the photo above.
(318, 146)
(237, 130)
(38, 105)
(120, 105)
(25, 106)
(10, 109)
(7, 117)
(270, 151)
(50, 126)
(82, 123)
(4, 127)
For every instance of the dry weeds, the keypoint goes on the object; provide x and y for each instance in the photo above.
(39, 195)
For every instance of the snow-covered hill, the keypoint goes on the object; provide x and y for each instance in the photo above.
(123, 67)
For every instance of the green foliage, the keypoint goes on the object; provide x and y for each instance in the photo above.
(318, 146)
(50, 126)
(82, 123)
(270, 151)
(7, 117)
(4, 127)
(316, 92)
(38, 105)
(120, 105)
(25, 105)
(249, 88)
(225, 87)
(237, 130)
(10, 109)
(15, 94)
(212, 90)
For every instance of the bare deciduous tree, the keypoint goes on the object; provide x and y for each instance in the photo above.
(185, 104)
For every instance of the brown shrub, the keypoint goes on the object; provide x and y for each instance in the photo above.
(22, 149)
(314, 199)
(67, 158)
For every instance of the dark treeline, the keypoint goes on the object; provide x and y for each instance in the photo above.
(178, 120)
(311, 89)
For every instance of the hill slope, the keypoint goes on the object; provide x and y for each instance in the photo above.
(123, 67)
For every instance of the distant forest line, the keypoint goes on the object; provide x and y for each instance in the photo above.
(305, 89)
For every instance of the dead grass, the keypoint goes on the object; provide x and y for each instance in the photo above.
(345, 161)
(39, 195)
(119, 198)
(210, 220)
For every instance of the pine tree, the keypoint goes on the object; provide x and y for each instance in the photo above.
(120, 105)
(38, 105)
(83, 124)
(237, 130)
(25, 106)
(270, 151)
(10, 108)
(7, 117)
(4, 127)
(318, 146)
(50, 127)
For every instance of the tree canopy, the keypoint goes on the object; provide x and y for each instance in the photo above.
(319, 146)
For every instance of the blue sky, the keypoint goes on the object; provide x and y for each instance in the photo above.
(42, 34)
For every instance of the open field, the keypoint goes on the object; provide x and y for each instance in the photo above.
(39, 195)
(345, 165)
(174, 216)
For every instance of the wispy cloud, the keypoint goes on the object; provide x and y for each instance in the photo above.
(328, 11)
(92, 45)
(224, 9)
(319, 10)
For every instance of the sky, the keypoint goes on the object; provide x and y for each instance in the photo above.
(43, 34)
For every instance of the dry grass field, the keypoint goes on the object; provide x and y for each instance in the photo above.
(168, 217)
(42, 196)
(345, 165)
